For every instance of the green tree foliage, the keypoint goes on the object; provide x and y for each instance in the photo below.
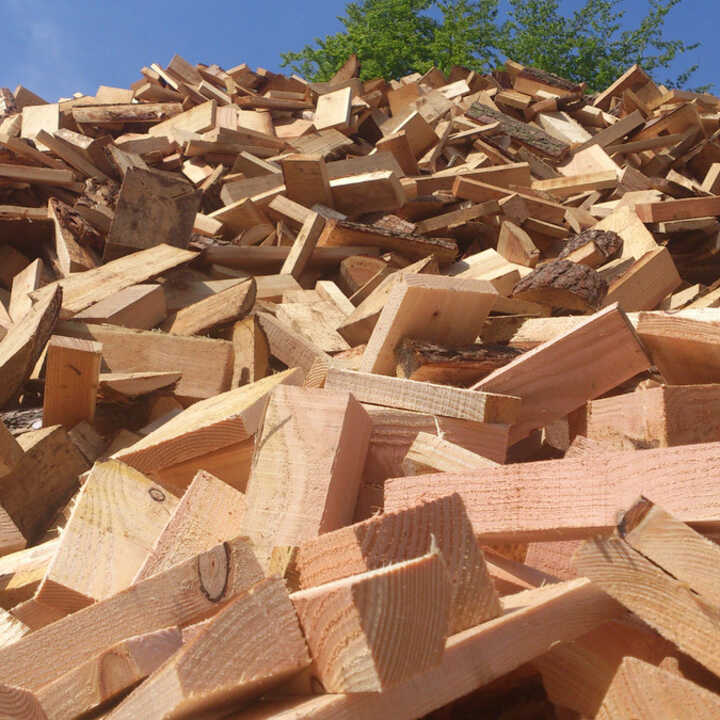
(395, 37)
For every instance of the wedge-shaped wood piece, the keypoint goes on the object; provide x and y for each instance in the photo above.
(116, 518)
(11, 539)
(598, 355)
(299, 489)
(372, 631)
(432, 453)
(304, 246)
(533, 620)
(142, 307)
(542, 501)
(673, 546)
(249, 646)
(107, 675)
(72, 377)
(24, 282)
(152, 208)
(43, 480)
(425, 397)
(637, 239)
(402, 535)
(652, 278)
(684, 350)
(10, 451)
(220, 309)
(11, 629)
(642, 690)
(656, 417)
(209, 513)
(577, 674)
(516, 246)
(666, 604)
(135, 384)
(217, 422)
(369, 192)
(81, 290)
(237, 217)
(440, 309)
(24, 342)
(22, 571)
(206, 364)
(182, 595)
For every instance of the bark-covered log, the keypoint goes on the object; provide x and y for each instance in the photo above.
(592, 247)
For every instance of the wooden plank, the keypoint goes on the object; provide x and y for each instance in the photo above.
(674, 547)
(103, 678)
(180, 596)
(298, 490)
(664, 603)
(543, 501)
(252, 353)
(66, 151)
(315, 321)
(534, 620)
(656, 417)
(685, 351)
(24, 342)
(439, 309)
(10, 451)
(71, 255)
(261, 646)
(596, 356)
(304, 246)
(219, 421)
(43, 176)
(142, 307)
(640, 689)
(11, 539)
(333, 110)
(71, 381)
(567, 186)
(369, 632)
(366, 193)
(206, 364)
(198, 119)
(270, 259)
(84, 289)
(615, 132)
(306, 180)
(679, 209)
(210, 512)
(237, 217)
(220, 309)
(425, 397)
(42, 481)
(11, 629)
(432, 453)
(116, 518)
(24, 282)
(402, 535)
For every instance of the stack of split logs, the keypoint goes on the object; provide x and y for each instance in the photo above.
(360, 400)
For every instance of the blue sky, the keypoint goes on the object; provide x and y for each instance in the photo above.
(57, 47)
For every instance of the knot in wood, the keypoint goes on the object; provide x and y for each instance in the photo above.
(214, 572)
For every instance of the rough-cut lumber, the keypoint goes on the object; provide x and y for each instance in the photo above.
(679, 209)
(43, 480)
(180, 596)
(84, 289)
(222, 308)
(297, 489)
(656, 417)
(116, 518)
(210, 512)
(24, 282)
(544, 500)
(425, 397)
(369, 632)
(534, 619)
(206, 364)
(673, 546)
(439, 309)
(11, 539)
(599, 354)
(249, 646)
(369, 192)
(142, 307)
(134, 384)
(664, 603)
(402, 535)
(24, 342)
(306, 180)
(30, 174)
(592, 247)
(516, 246)
(642, 690)
(316, 321)
(217, 422)
(198, 119)
(10, 451)
(304, 245)
(107, 675)
(685, 351)
(431, 453)
(72, 377)
(11, 629)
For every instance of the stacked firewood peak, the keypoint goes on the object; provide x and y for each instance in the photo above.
(360, 399)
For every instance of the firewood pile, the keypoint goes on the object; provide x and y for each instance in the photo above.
(360, 400)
